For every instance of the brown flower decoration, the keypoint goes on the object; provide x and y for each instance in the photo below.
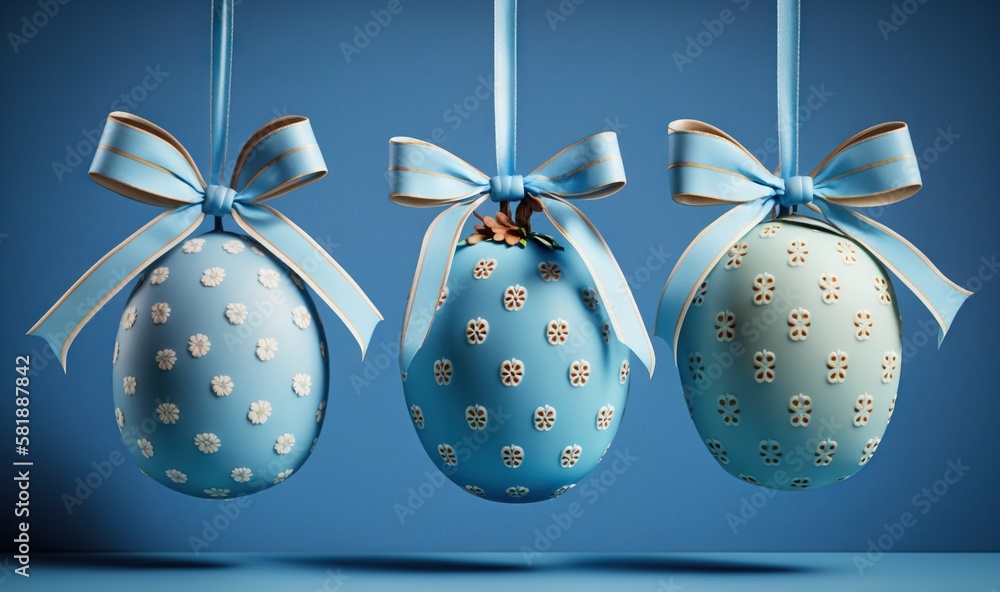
(516, 231)
(501, 228)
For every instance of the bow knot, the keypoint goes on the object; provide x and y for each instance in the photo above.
(507, 188)
(798, 191)
(218, 200)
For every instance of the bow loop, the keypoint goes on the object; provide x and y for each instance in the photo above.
(588, 169)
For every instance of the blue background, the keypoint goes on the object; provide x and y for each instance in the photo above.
(607, 64)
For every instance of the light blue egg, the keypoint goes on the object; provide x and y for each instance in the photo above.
(790, 356)
(521, 384)
(220, 373)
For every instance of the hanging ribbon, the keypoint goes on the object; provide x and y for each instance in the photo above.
(874, 168)
(141, 161)
(425, 175)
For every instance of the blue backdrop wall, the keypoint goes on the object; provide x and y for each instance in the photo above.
(631, 66)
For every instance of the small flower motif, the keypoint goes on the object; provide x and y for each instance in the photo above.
(798, 324)
(570, 455)
(517, 491)
(145, 447)
(579, 372)
(296, 280)
(749, 479)
(447, 453)
(120, 418)
(797, 252)
(301, 317)
(129, 385)
(512, 456)
(770, 452)
(763, 365)
(689, 400)
(217, 492)
(268, 278)
(725, 325)
(199, 345)
(699, 297)
(511, 372)
(624, 370)
(442, 371)
(717, 450)
(863, 409)
(233, 247)
(869, 450)
(319, 411)
(166, 358)
(417, 415)
(207, 443)
(477, 417)
(847, 252)
(606, 332)
(236, 313)
(604, 416)
(837, 364)
(280, 478)
(322, 352)
(222, 385)
(824, 453)
(862, 324)
(212, 277)
(128, 317)
(443, 297)
(483, 268)
(729, 409)
(259, 412)
(475, 490)
(892, 407)
(514, 297)
(605, 453)
(176, 476)
(267, 347)
(114, 358)
(890, 364)
(159, 275)
(313, 447)
(800, 406)
(557, 331)
(562, 490)
(193, 246)
(763, 288)
(697, 367)
(882, 287)
(257, 250)
(550, 272)
(590, 298)
(545, 418)
(736, 254)
(241, 474)
(168, 413)
(800, 482)
(829, 283)
(160, 313)
(476, 330)
(302, 384)
(769, 230)
(284, 443)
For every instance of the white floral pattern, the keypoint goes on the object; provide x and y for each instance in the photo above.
(763, 288)
(545, 418)
(863, 409)
(222, 385)
(557, 331)
(604, 416)
(128, 317)
(447, 452)
(764, 366)
(769, 230)
(193, 246)
(862, 324)
(129, 385)
(729, 409)
(168, 413)
(869, 450)
(798, 324)
(259, 412)
(284, 444)
(725, 325)
(267, 347)
(417, 415)
(824, 453)
(697, 367)
(176, 476)
(483, 268)
(442, 371)
(257, 250)
(749, 479)
(836, 363)
(797, 251)
(736, 253)
(890, 364)
(550, 272)
(114, 358)
(160, 312)
(770, 452)
(517, 491)
(623, 372)
(476, 330)
(800, 482)
(302, 384)
(590, 299)
(319, 411)
(241, 474)
(283, 475)
(199, 345)
(119, 418)
(212, 277)
(477, 417)
(145, 447)
(159, 275)
(717, 450)
(511, 372)
(847, 251)
(233, 247)
(892, 407)
(217, 492)
(207, 443)
(443, 297)
(699, 297)
(512, 456)
(579, 372)
(166, 358)
(800, 407)
(829, 283)
(570, 456)
(514, 297)
(562, 490)
(475, 490)
(606, 332)
(296, 280)
(268, 278)
(882, 287)
(236, 313)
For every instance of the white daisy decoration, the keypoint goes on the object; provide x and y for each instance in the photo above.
(176, 476)
(236, 313)
(217, 492)
(267, 347)
(128, 317)
(259, 412)
(284, 444)
(199, 345)
(256, 250)
(301, 317)
(207, 443)
(168, 413)
(212, 276)
(222, 385)
(302, 384)
(114, 359)
(166, 358)
(282, 476)
(268, 278)
(241, 474)
(145, 447)
(160, 313)
(193, 246)
(297, 281)
(120, 418)
(159, 275)
(129, 385)
(319, 412)
(233, 247)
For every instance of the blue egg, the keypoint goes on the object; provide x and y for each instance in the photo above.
(220, 372)
(520, 386)
(790, 356)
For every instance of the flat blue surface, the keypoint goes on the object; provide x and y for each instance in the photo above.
(660, 572)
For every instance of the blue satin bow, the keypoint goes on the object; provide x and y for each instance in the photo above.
(141, 161)
(875, 167)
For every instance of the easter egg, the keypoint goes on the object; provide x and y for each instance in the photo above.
(790, 356)
(220, 373)
(519, 388)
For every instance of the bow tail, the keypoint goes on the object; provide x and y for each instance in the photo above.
(941, 296)
(313, 264)
(622, 309)
(431, 276)
(698, 260)
(61, 324)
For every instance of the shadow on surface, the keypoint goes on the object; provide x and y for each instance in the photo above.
(100, 561)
